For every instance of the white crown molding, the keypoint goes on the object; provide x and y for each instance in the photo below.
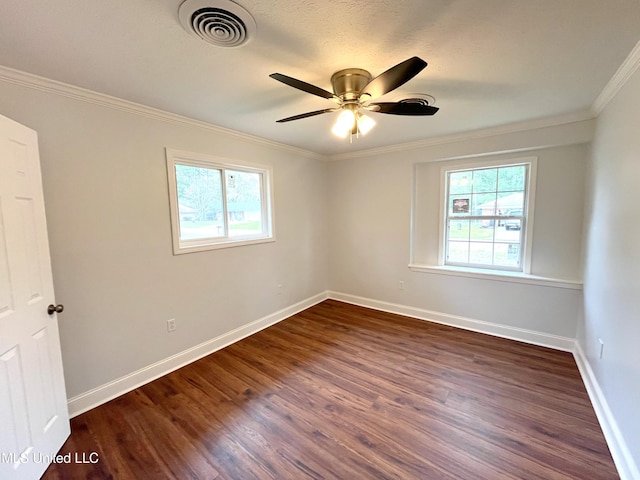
(546, 122)
(622, 75)
(626, 70)
(47, 85)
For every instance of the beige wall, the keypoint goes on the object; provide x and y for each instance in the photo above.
(612, 263)
(370, 225)
(105, 184)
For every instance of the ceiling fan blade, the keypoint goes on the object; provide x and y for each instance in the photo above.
(400, 108)
(305, 115)
(394, 77)
(304, 86)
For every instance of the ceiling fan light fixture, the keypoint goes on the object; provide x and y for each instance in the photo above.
(350, 121)
(339, 132)
(365, 124)
(345, 123)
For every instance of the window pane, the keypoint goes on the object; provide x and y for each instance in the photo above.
(506, 233)
(511, 179)
(482, 230)
(459, 229)
(483, 204)
(200, 205)
(459, 182)
(244, 203)
(481, 253)
(496, 197)
(507, 254)
(508, 203)
(512, 224)
(485, 180)
(458, 252)
(216, 204)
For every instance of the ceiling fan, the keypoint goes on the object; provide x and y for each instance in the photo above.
(354, 88)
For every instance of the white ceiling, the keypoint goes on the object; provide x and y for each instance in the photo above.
(491, 62)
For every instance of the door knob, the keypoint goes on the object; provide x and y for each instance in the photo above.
(51, 309)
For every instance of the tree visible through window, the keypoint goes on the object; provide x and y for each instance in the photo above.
(486, 215)
(216, 203)
(200, 202)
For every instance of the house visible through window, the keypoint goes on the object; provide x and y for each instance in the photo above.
(215, 203)
(485, 221)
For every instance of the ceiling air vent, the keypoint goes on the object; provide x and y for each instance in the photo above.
(220, 22)
(419, 98)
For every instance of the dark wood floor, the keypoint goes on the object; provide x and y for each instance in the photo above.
(344, 392)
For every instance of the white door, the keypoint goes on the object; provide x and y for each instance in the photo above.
(34, 421)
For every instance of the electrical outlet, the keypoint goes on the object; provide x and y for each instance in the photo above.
(601, 343)
(401, 285)
(279, 288)
(171, 325)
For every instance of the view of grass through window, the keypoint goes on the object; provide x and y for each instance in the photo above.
(485, 217)
(217, 203)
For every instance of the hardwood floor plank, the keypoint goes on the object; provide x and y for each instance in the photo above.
(344, 392)
(356, 442)
(450, 428)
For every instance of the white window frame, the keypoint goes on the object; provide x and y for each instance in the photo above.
(527, 221)
(180, 157)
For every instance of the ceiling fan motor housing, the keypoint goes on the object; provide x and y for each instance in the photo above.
(348, 83)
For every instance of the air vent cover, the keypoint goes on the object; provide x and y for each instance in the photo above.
(220, 22)
(419, 98)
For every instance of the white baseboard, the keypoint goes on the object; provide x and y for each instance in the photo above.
(625, 464)
(514, 333)
(102, 394)
(627, 468)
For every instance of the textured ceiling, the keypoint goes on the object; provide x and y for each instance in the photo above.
(491, 62)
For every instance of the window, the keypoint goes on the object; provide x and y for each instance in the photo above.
(487, 215)
(216, 203)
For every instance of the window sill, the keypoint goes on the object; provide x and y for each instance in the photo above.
(201, 247)
(499, 276)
